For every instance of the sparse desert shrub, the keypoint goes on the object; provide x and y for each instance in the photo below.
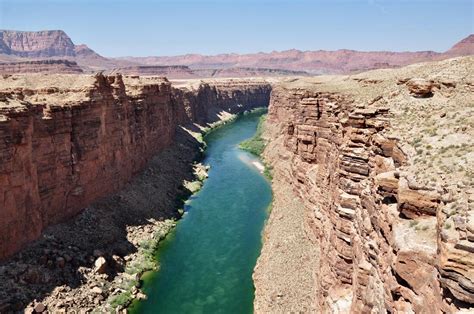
(268, 172)
(121, 300)
(452, 212)
(416, 142)
(432, 132)
(256, 144)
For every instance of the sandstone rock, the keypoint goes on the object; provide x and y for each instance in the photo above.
(388, 182)
(40, 308)
(357, 186)
(41, 66)
(99, 147)
(141, 296)
(421, 88)
(100, 265)
(413, 203)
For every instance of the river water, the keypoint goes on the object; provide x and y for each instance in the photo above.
(206, 263)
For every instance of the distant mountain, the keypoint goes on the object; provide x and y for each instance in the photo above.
(50, 44)
(42, 44)
(316, 62)
(464, 47)
(19, 46)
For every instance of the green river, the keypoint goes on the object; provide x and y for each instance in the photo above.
(206, 263)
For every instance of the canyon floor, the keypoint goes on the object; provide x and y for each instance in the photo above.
(381, 165)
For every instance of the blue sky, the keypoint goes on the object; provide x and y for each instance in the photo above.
(170, 27)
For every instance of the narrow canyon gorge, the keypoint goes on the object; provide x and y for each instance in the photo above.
(70, 145)
(373, 207)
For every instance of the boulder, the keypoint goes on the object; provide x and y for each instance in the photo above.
(40, 308)
(420, 88)
(100, 265)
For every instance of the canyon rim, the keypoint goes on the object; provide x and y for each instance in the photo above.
(369, 154)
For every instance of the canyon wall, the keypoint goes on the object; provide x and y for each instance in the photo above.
(385, 205)
(68, 140)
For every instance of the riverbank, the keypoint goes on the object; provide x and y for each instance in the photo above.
(284, 273)
(94, 261)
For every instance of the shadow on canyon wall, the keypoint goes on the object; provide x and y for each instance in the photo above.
(59, 257)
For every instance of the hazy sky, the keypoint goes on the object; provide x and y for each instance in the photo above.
(170, 27)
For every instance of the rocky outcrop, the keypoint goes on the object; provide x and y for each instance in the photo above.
(381, 231)
(41, 44)
(41, 66)
(66, 141)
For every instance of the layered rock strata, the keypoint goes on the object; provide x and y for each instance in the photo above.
(385, 179)
(40, 66)
(114, 152)
(185, 72)
(36, 44)
(67, 140)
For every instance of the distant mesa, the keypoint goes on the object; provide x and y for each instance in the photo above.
(40, 66)
(19, 46)
(42, 44)
(185, 72)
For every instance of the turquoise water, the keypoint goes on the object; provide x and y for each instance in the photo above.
(206, 264)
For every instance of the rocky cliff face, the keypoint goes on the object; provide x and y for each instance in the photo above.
(367, 158)
(36, 44)
(67, 140)
(205, 102)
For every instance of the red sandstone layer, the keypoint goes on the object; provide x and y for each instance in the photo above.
(380, 163)
(67, 140)
(40, 66)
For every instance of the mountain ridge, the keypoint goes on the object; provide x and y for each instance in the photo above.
(33, 45)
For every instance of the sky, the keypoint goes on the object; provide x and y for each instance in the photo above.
(173, 27)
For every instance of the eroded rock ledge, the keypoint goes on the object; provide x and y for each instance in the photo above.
(74, 142)
(388, 211)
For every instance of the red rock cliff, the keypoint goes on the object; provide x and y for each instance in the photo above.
(66, 141)
(383, 240)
